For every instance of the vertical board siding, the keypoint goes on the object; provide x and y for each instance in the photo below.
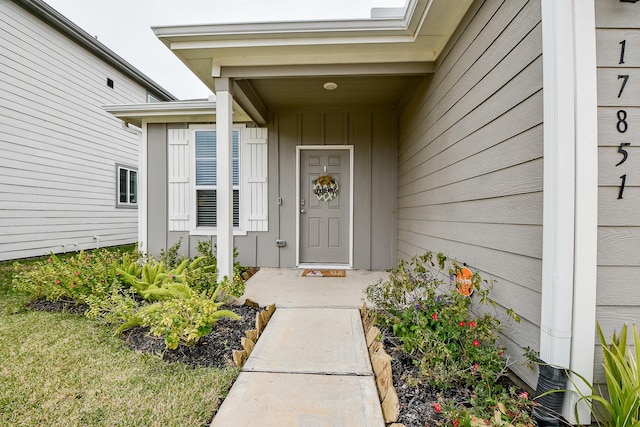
(618, 220)
(59, 148)
(373, 135)
(471, 161)
(179, 162)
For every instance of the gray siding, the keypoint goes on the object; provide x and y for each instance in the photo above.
(59, 148)
(618, 300)
(470, 160)
(373, 135)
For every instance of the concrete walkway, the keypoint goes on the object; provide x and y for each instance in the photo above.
(310, 368)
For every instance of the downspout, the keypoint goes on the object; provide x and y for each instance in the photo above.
(559, 203)
(143, 202)
(569, 268)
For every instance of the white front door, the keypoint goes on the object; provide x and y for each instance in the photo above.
(324, 206)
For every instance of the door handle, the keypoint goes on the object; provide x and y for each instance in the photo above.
(303, 211)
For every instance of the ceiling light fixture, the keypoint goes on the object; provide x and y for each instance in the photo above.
(330, 85)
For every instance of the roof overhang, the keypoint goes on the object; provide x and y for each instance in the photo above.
(171, 112)
(416, 33)
(274, 66)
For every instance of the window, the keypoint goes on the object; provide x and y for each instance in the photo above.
(127, 182)
(206, 179)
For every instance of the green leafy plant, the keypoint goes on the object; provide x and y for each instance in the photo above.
(619, 406)
(180, 320)
(170, 257)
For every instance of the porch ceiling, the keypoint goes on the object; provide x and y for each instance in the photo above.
(283, 65)
(308, 92)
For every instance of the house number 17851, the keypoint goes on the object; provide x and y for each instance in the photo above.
(622, 125)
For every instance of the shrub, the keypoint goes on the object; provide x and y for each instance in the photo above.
(453, 346)
(180, 320)
(73, 279)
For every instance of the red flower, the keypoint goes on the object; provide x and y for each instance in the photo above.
(472, 324)
(434, 316)
(57, 282)
(437, 408)
(456, 423)
(476, 343)
(49, 260)
(77, 273)
(524, 395)
(476, 366)
(462, 325)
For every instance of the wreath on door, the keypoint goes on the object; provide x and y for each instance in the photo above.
(325, 188)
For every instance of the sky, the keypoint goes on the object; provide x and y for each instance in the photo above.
(124, 26)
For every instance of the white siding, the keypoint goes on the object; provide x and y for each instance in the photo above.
(470, 160)
(618, 298)
(59, 148)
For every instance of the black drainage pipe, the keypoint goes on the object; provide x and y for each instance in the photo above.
(548, 410)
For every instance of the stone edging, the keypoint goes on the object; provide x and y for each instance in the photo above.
(251, 336)
(381, 364)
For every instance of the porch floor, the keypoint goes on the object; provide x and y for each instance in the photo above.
(285, 287)
(310, 368)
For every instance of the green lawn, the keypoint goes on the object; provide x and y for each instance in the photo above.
(59, 369)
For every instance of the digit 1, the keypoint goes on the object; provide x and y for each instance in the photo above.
(622, 44)
(624, 180)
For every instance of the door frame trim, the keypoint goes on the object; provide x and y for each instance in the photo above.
(350, 149)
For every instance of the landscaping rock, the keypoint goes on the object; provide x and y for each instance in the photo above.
(391, 406)
(372, 335)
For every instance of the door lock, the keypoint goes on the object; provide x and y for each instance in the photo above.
(303, 211)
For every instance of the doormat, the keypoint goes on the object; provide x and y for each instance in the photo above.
(323, 272)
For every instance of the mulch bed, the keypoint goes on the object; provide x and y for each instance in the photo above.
(212, 350)
(215, 350)
(416, 400)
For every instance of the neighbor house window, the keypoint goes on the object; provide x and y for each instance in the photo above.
(206, 179)
(127, 182)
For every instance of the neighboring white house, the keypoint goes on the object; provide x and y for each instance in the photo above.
(501, 132)
(68, 169)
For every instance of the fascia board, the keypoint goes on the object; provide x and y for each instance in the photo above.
(285, 33)
(168, 112)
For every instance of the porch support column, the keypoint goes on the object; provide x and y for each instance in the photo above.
(224, 193)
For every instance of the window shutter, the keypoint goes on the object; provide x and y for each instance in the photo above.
(178, 175)
(254, 188)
